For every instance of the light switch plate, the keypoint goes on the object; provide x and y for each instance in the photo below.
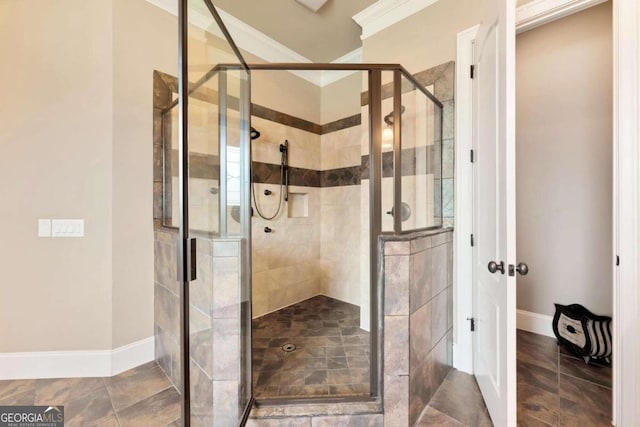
(44, 228)
(67, 228)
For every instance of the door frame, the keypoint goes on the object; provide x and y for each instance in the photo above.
(626, 192)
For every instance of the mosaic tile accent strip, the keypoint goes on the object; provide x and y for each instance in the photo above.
(285, 119)
(340, 124)
(207, 167)
(340, 177)
(267, 173)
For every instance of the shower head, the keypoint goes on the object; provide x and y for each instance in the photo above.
(254, 133)
(388, 119)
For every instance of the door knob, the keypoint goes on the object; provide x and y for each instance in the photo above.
(493, 267)
(522, 268)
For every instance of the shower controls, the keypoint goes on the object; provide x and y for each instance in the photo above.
(267, 230)
(493, 267)
(268, 192)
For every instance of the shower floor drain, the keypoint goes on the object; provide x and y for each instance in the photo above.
(288, 348)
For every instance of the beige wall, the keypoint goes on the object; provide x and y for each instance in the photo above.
(564, 153)
(425, 39)
(56, 162)
(341, 99)
(76, 143)
(144, 39)
(287, 93)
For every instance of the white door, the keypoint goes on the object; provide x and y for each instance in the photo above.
(494, 211)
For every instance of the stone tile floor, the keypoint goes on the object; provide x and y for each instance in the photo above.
(331, 356)
(457, 403)
(555, 388)
(139, 397)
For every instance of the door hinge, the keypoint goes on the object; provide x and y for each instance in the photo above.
(472, 323)
(472, 155)
(473, 240)
(472, 71)
(617, 260)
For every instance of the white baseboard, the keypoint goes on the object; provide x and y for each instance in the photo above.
(132, 355)
(534, 322)
(76, 364)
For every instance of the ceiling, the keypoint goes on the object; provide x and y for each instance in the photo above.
(320, 37)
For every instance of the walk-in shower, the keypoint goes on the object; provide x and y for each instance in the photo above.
(272, 286)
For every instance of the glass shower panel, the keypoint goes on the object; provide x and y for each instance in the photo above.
(170, 143)
(388, 167)
(420, 158)
(217, 210)
(204, 177)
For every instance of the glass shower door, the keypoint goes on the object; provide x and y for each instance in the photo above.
(214, 162)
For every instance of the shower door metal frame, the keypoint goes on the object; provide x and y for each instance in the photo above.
(186, 244)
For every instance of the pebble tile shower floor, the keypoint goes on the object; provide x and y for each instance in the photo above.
(331, 356)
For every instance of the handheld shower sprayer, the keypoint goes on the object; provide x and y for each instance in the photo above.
(284, 149)
(284, 178)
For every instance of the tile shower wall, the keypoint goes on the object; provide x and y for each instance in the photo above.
(418, 322)
(214, 324)
(286, 261)
(167, 304)
(340, 217)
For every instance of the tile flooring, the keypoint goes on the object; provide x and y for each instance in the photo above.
(457, 403)
(554, 387)
(139, 397)
(331, 356)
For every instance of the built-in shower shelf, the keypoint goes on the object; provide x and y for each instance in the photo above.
(298, 205)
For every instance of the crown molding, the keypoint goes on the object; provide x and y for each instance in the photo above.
(540, 12)
(259, 44)
(384, 13)
(353, 57)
